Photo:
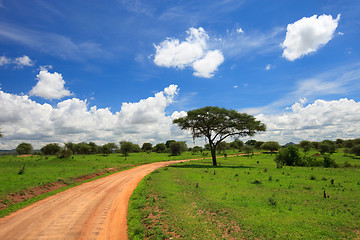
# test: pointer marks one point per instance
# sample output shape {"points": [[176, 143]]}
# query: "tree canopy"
{"points": [[24, 148], [216, 124]]}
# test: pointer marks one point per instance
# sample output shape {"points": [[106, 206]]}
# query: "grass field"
{"points": [[44, 171], [248, 198]]}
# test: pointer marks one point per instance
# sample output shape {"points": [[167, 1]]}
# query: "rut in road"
{"points": [[93, 210]]}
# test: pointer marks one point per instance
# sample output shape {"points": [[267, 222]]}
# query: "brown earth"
{"points": [[93, 210], [26, 194]]}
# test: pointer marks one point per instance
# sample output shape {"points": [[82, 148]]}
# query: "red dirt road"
{"points": [[93, 210]]}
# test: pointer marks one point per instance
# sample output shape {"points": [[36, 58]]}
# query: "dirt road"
{"points": [[93, 210]]}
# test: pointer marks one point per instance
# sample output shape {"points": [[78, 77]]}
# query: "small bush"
{"points": [[256, 182], [329, 162], [272, 201], [22, 170]]}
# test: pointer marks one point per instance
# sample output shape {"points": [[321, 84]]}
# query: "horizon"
{"points": [[124, 70]]}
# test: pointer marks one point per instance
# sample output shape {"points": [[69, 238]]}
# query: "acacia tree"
{"points": [[216, 124], [24, 148]]}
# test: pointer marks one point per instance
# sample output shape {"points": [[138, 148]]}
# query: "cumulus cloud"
{"points": [[193, 52], [50, 85], [4, 60], [315, 122], [23, 119], [307, 35], [206, 66], [23, 61], [19, 62]]}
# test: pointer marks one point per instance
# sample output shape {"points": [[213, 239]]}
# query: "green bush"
{"points": [[289, 156]]}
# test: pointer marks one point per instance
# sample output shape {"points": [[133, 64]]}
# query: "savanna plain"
{"points": [[244, 197], [248, 198]]}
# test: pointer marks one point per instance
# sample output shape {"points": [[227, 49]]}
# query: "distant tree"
{"points": [[271, 146], [237, 144], [222, 147], [126, 148], [258, 144], [94, 149], [249, 150], [71, 146], [316, 145], [24, 148], [177, 148], [207, 147], [197, 149], [216, 124], [289, 156], [109, 148], [329, 162], [327, 146], [339, 143], [136, 148], [147, 147], [1, 134], [160, 148], [348, 143], [65, 153], [251, 143], [168, 142], [83, 148], [51, 149], [305, 145], [355, 150]]}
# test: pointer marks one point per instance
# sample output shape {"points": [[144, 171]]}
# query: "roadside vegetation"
{"points": [[250, 197]]}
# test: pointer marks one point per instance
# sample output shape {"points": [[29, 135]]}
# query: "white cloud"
{"points": [[307, 35], [193, 52], [23, 119], [20, 62], [235, 86], [268, 67], [50, 86], [206, 66], [239, 30], [317, 121], [23, 61], [4, 60]]}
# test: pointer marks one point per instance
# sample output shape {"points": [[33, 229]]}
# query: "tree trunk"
{"points": [[213, 155]]}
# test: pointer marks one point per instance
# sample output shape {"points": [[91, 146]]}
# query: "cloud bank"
{"points": [[193, 52], [307, 35], [24, 120], [317, 121]]}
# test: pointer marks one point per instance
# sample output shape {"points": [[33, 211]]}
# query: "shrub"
{"points": [[272, 201], [355, 150], [329, 162], [176, 148], [288, 156]]}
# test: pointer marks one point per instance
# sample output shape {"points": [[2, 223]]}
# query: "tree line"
{"points": [[171, 146]]}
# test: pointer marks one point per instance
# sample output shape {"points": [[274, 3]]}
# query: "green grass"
{"points": [[246, 199], [41, 170]]}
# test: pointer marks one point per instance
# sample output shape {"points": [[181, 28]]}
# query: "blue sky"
{"points": [[88, 71]]}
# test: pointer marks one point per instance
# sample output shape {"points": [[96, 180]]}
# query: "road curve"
{"points": [[93, 210]]}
